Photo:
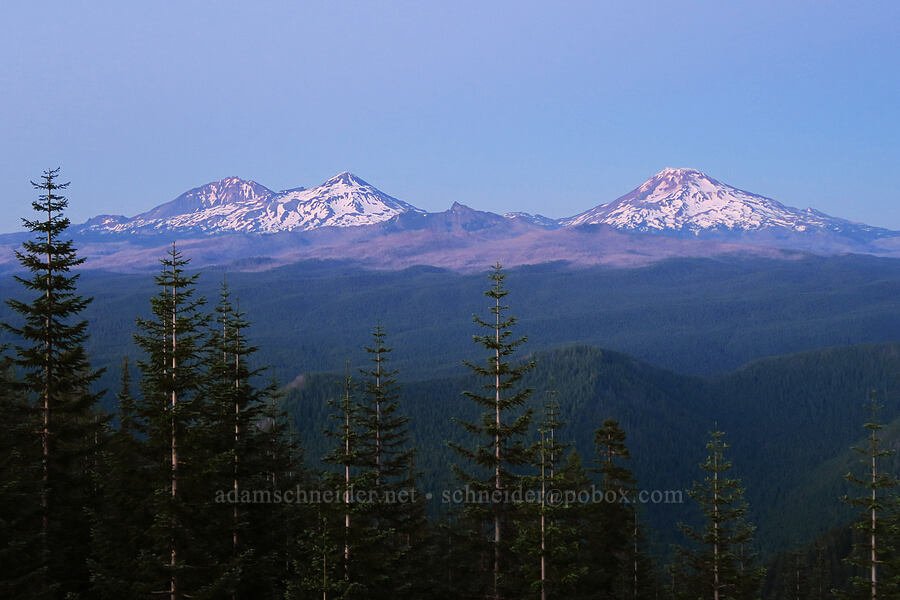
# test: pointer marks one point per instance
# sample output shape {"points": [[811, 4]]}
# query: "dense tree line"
{"points": [[197, 486]]}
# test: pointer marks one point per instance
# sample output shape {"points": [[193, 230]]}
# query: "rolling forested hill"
{"points": [[693, 316], [790, 418], [790, 422]]}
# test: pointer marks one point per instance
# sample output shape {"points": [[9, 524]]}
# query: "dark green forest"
{"points": [[801, 413], [693, 316], [167, 445]]}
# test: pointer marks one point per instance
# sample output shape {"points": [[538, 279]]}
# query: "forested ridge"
{"points": [[801, 413], [694, 316], [569, 473]]}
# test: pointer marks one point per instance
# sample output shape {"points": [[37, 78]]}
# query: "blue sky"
{"points": [[543, 107]]}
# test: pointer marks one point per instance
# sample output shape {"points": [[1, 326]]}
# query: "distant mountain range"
{"points": [[235, 205], [673, 200], [677, 212]]}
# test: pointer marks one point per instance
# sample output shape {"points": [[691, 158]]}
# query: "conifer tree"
{"points": [[274, 532], [57, 380], [569, 576], [612, 530], [558, 538], [314, 573], [239, 453], [386, 460], [118, 524], [20, 476], [247, 451], [500, 448], [172, 374], [722, 563], [876, 500], [351, 516], [383, 438], [549, 451], [547, 537]]}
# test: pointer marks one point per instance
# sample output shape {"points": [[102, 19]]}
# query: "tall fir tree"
{"points": [[499, 436], [118, 524], [345, 520], [617, 563], [548, 543], [315, 563], [172, 375], [387, 460], [277, 530], [568, 550], [721, 564], [57, 381], [245, 449], [875, 529]]}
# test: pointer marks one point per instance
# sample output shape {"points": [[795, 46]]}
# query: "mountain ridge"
{"points": [[243, 225], [675, 201], [238, 205]]}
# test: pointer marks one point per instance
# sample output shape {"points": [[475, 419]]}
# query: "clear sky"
{"points": [[546, 107]]}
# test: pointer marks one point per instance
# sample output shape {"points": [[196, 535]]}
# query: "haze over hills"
{"points": [[244, 225]]}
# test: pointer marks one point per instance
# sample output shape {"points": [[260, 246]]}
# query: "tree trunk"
{"points": [[45, 432], [173, 579], [324, 559], [635, 550], [543, 522], [347, 479], [237, 434], [874, 556], [378, 417], [497, 483], [716, 526]]}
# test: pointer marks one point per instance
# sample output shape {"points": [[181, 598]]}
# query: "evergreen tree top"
{"points": [[52, 340], [880, 479], [49, 203]]}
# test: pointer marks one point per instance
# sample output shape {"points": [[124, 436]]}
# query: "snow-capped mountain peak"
{"points": [[233, 204], [228, 191], [676, 200], [342, 201], [345, 178], [688, 200]]}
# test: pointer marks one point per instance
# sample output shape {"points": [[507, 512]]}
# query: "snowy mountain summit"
{"points": [[345, 200], [687, 200], [234, 204], [677, 202]]}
